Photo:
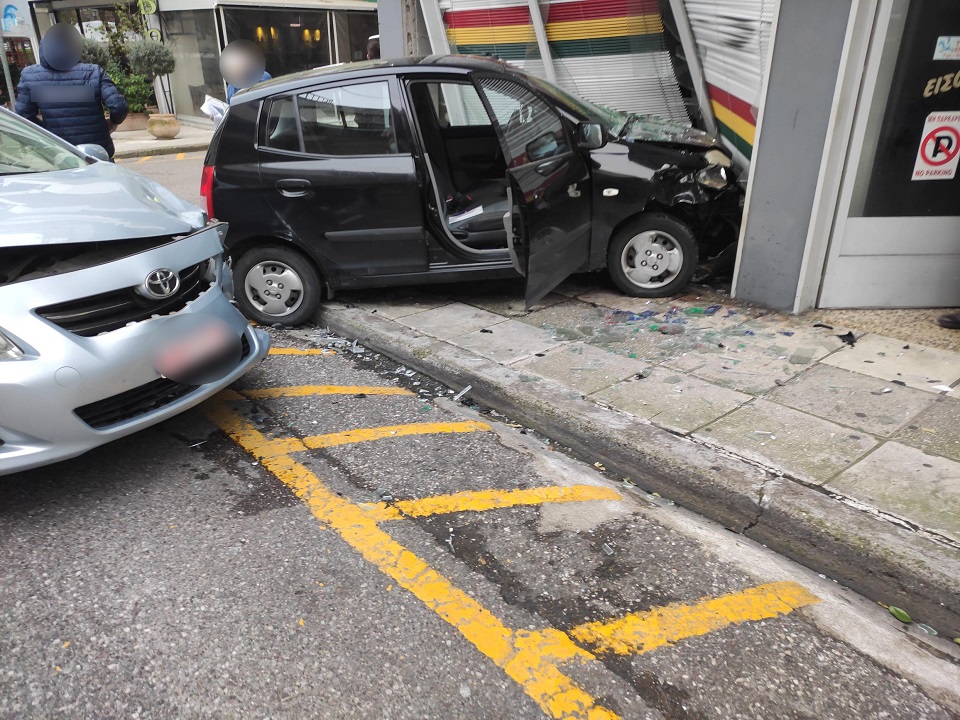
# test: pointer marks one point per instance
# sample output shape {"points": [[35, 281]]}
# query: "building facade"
{"points": [[294, 35]]}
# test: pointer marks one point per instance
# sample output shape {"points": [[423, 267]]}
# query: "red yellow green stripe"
{"points": [[735, 118], [559, 31]]}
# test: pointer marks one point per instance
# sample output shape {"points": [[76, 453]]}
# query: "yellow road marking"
{"points": [[488, 500], [304, 390], [181, 156], [144, 158], [299, 351], [349, 437], [642, 632], [529, 657]]}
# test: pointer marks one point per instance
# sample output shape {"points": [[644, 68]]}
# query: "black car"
{"points": [[444, 169]]}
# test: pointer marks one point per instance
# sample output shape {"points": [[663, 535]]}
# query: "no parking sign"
{"points": [[939, 152]]}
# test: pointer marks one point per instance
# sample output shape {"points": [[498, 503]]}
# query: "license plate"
{"points": [[194, 350]]}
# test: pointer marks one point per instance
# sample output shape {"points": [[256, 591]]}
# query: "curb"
{"points": [[880, 558], [160, 150]]}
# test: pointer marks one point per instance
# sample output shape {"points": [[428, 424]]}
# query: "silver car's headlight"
{"points": [[713, 177], [8, 349]]}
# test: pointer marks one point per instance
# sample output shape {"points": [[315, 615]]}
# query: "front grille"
{"points": [[102, 313], [141, 400], [133, 403]]}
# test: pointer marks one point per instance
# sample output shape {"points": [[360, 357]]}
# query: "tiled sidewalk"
{"points": [[876, 422]]}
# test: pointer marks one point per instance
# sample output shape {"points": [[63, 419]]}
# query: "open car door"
{"points": [[548, 223]]}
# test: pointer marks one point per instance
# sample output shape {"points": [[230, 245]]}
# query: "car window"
{"points": [[457, 105], [530, 129], [348, 120], [24, 149], [282, 131]]}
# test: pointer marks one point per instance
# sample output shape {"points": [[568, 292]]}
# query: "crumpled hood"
{"points": [[650, 128], [96, 203]]}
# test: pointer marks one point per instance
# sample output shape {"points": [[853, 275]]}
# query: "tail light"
{"points": [[206, 189]]}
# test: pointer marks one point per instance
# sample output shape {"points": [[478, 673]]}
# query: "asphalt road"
{"points": [[333, 538]]}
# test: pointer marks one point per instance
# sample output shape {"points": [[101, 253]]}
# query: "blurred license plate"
{"points": [[194, 349]]}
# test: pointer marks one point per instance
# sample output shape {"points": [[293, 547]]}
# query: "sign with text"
{"points": [[939, 152], [948, 48]]}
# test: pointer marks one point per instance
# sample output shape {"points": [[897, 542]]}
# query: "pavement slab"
{"points": [[451, 321], [809, 448], [395, 303], [924, 489], [750, 364], [511, 303], [676, 402], [857, 401], [892, 360], [507, 342], [582, 367], [936, 430]]}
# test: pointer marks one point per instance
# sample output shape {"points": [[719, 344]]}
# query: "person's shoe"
{"points": [[951, 321]]}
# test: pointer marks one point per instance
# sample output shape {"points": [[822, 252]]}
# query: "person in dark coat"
{"points": [[66, 96]]}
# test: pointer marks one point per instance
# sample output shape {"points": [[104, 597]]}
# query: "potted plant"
{"points": [[151, 60]]}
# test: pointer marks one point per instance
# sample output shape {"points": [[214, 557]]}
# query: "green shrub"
{"points": [[150, 58], [137, 89], [94, 52]]}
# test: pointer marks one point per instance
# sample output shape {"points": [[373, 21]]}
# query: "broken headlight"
{"points": [[714, 177], [717, 157], [8, 350]]}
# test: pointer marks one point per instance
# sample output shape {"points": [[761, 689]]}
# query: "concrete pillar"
{"points": [[402, 29], [804, 65]]}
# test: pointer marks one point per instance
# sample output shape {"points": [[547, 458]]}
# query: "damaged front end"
{"points": [[694, 180]]}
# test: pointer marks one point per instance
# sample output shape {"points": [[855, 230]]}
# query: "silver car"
{"points": [[115, 306]]}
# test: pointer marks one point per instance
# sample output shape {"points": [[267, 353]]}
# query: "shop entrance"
{"points": [[896, 237]]}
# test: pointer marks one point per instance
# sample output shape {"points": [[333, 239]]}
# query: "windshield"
{"points": [[613, 120], [25, 149]]}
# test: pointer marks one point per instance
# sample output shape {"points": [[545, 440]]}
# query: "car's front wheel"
{"points": [[653, 256], [276, 285]]}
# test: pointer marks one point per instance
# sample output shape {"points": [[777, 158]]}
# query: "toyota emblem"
{"points": [[161, 283]]}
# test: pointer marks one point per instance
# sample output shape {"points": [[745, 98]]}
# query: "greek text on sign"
{"points": [[939, 152], [948, 48]]}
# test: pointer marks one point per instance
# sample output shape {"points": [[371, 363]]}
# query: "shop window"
{"points": [[192, 36], [348, 120]]}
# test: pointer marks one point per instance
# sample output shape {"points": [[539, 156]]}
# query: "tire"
{"points": [[274, 284], [637, 253]]}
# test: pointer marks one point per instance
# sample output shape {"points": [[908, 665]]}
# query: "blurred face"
{"points": [[61, 46], [242, 63]]}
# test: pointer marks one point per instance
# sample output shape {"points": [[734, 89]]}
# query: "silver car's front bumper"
{"points": [[112, 374]]}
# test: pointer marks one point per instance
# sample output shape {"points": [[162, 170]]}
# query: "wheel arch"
{"points": [[244, 245]]}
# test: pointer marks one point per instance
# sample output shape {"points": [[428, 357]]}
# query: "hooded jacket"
{"points": [[70, 101]]}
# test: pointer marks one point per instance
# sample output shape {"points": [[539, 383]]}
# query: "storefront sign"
{"points": [[920, 133], [939, 152], [948, 48], [15, 19]]}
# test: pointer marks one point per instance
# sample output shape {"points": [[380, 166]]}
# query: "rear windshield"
{"points": [[25, 149]]}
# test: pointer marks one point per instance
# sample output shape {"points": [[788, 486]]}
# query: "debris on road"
{"points": [[459, 396], [607, 549], [850, 339], [900, 614]]}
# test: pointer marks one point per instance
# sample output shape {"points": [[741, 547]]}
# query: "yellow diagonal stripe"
{"points": [[733, 121], [528, 657], [481, 500], [298, 351], [642, 632], [181, 156], [305, 390], [145, 158], [348, 437]]}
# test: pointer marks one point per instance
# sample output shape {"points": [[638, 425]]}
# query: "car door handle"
{"points": [[293, 187], [548, 167]]}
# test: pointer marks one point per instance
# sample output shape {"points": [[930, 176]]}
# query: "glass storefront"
{"points": [[192, 35]]}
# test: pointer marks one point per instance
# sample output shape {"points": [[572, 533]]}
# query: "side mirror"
{"points": [[94, 151], [591, 136]]}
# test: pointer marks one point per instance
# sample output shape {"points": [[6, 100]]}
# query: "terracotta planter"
{"points": [[134, 121], [163, 126]]}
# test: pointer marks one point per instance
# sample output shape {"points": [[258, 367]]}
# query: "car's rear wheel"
{"points": [[653, 256], [276, 285]]}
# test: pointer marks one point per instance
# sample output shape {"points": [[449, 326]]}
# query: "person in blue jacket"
{"points": [[232, 89], [66, 96]]}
